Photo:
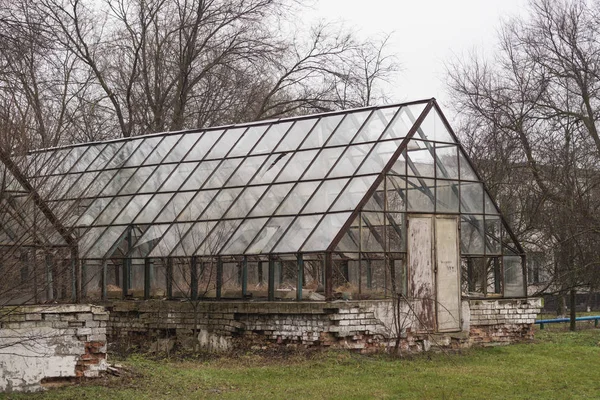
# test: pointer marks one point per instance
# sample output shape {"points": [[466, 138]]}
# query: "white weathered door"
{"points": [[447, 272], [433, 272]]}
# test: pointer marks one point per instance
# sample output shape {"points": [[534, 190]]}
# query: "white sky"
{"points": [[426, 34]]}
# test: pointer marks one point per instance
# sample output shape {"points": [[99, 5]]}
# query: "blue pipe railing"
{"points": [[541, 322]]}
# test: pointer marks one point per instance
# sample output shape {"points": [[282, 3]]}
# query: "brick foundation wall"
{"points": [[46, 343], [502, 321]]}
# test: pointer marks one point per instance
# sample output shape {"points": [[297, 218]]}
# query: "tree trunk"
{"points": [[573, 325]]}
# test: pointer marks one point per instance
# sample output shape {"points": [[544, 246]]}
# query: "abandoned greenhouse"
{"points": [[339, 209]]}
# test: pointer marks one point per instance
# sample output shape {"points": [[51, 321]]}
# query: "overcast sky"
{"points": [[426, 34]]}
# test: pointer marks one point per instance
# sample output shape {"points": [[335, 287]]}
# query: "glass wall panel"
{"points": [[178, 176], [490, 208], [379, 157], [396, 193], [132, 209], [321, 132], [349, 243], [174, 207], [183, 146], [297, 234], [377, 200], [121, 157], [299, 162], [271, 138], [112, 210], [513, 277], [403, 121], [372, 232], [87, 158], [446, 196], [269, 235], [323, 163], [350, 160], [161, 173], [472, 234], [197, 206], [399, 166], [221, 203], [102, 246], [348, 128], [446, 161], [248, 140], [245, 202], [420, 162], [271, 168], [296, 134], [203, 146], [471, 197], [396, 231], [117, 182], [297, 198], [154, 206], [222, 173], [353, 193], [246, 171], [420, 194], [271, 200], [375, 125], [433, 128], [325, 196], [243, 236], [170, 239], [466, 172], [493, 228], [143, 151], [193, 239], [199, 176], [225, 143], [327, 230], [162, 149], [137, 180]]}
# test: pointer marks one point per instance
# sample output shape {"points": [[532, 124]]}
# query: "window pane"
{"points": [[160, 175], [446, 162], [193, 239], [471, 234], [197, 205], [179, 151], [396, 194], [298, 233], [513, 277], [248, 140], [372, 235], [222, 173], [243, 236], [143, 151], [153, 207], [272, 199], [493, 235], [353, 194], [466, 172], [434, 129], [321, 132], [323, 163], [348, 128], [162, 149], [137, 180], [271, 168], [245, 202], [396, 231], [179, 175], [420, 162], [325, 196], [379, 157], [269, 235], [197, 179], [403, 121], [296, 134], [375, 125], [327, 230], [294, 169], [350, 160], [272, 137], [203, 145], [226, 142], [218, 237], [471, 196], [174, 207], [446, 196], [221, 203], [297, 198], [420, 194]]}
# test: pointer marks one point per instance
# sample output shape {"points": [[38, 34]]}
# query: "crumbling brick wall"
{"points": [[46, 343]]}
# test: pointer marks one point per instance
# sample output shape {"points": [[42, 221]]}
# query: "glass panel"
{"points": [[162, 149], [222, 173], [174, 207], [348, 128], [193, 239], [271, 138], [137, 180], [198, 204], [245, 202], [471, 197], [377, 200], [269, 235], [396, 231], [379, 157], [298, 233], [294, 169], [119, 180], [296, 134], [92, 211], [420, 194], [179, 175], [432, 128], [446, 196], [221, 203], [493, 235], [248, 140], [350, 160], [180, 150], [199, 176], [396, 194], [205, 143], [471, 234], [323, 163], [354, 193], [160, 175], [80, 189], [420, 162], [143, 151], [349, 241], [327, 230], [119, 160], [272, 199], [372, 234], [153, 208], [218, 237], [513, 277], [403, 121], [243, 236], [375, 126], [297, 198], [132, 209], [170, 239], [399, 166], [110, 212], [104, 157], [68, 162], [325, 196], [105, 242], [246, 171], [152, 235], [466, 172], [490, 208], [319, 135], [271, 168], [227, 141], [87, 158], [446, 161]]}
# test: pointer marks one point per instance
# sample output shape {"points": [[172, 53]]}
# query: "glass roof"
{"points": [[283, 186]]}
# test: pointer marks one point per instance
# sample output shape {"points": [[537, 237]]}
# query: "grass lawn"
{"points": [[561, 365]]}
